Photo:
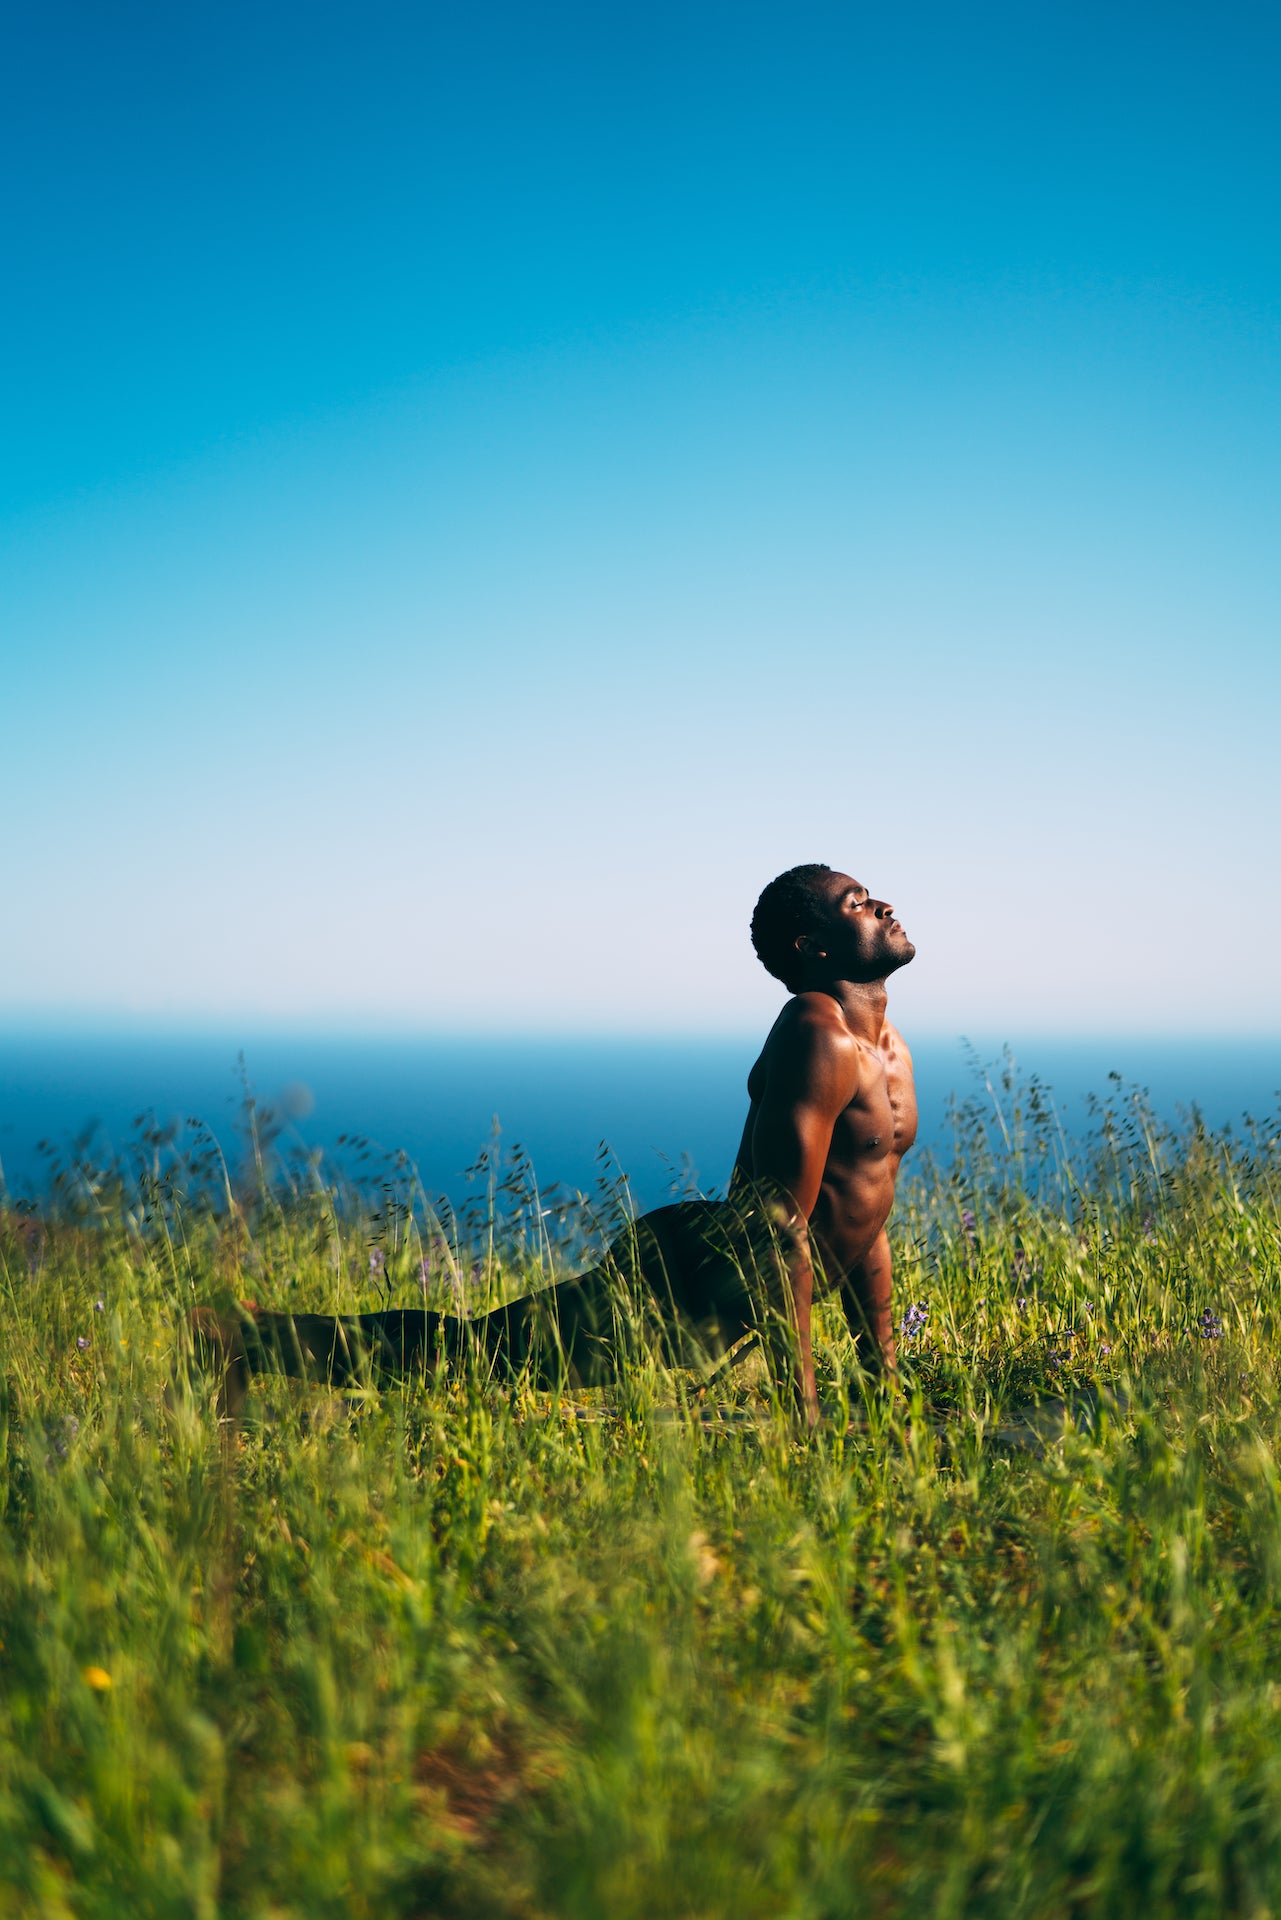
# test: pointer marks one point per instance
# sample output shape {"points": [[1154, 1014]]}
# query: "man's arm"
{"points": [[813, 1075], [865, 1296]]}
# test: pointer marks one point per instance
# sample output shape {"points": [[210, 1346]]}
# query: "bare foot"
{"points": [[219, 1341]]}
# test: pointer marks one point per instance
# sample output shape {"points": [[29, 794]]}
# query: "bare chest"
{"points": [[881, 1119]]}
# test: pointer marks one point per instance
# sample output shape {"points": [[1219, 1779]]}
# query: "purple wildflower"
{"points": [[969, 1226], [1210, 1326], [81, 1342], [100, 1305], [913, 1321], [377, 1261]]}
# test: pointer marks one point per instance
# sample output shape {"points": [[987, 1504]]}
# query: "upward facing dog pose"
{"points": [[832, 1112]]}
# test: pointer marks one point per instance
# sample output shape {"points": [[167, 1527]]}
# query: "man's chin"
{"points": [[901, 956]]}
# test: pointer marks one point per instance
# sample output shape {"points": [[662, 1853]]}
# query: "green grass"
{"points": [[457, 1649]]}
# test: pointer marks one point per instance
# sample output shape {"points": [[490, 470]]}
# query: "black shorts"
{"points": [[695, 1276]]}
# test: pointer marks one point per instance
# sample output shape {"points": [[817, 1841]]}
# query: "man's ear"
{"points": [[809, 946]]}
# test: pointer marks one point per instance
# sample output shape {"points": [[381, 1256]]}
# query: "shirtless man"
{"points": [[833, 1103], [832, 1111]]}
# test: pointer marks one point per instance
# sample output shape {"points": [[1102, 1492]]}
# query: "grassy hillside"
{"points": [[462, 1649]]}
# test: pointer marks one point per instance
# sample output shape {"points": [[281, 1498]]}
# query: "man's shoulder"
{"points": [[811, 1034], [814, 1017]]}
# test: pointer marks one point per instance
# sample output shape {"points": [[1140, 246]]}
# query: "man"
{"points": [[832, 1112]]}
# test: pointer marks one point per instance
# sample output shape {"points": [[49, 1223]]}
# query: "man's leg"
{"points": [[561, 1333], [347, 1350], [684, 1272]]}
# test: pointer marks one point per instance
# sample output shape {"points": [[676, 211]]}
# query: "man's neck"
{"points": [[863, 1004]]}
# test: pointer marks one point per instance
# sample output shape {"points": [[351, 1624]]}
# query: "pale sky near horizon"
{"points": [[485, 488]]}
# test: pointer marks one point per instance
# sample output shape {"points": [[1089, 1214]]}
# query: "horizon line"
{"points": [[45, 1026]]}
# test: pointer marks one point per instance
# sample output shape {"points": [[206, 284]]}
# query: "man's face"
{"points": [[862, 939]]}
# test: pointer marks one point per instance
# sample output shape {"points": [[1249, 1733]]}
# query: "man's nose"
{"points": [[882, 909]]}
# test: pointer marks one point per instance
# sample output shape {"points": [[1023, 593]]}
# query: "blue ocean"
{"points": [[664, 1109]]}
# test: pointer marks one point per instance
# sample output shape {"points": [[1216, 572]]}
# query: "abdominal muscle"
{"points": [[852, 1209], [868, 1144]]}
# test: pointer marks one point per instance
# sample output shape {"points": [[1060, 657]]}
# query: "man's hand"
{"points": [[865, 1296], [787, 1314]]}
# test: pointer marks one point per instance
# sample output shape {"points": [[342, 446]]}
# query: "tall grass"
{"points": [[458, 1647]]}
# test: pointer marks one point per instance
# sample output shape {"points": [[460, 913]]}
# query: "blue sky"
{"points": [[483, 489]]}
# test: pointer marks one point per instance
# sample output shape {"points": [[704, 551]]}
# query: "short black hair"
{"points": [[794, 903]]}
